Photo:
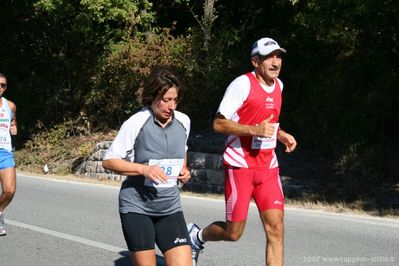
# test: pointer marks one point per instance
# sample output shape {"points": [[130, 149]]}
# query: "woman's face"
{"points": [[164, 106]]}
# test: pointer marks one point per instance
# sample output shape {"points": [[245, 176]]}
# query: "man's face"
{"points": [[268, 67], [3, 85]]}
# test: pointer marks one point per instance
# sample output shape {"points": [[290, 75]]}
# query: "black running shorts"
{"points": [[142, 232]]}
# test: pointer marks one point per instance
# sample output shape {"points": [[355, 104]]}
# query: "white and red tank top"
{"points": [[240, 151]]}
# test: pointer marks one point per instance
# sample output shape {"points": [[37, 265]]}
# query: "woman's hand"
{"points": [[155, 173], [184, 176]]}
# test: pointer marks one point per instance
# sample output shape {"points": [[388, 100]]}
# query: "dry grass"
{"points": [[356, 208]]}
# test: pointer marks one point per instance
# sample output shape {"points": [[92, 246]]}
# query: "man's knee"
{"points": [[233, 236], [8, 194], [275, 229], [234, 230], [234, 233]]}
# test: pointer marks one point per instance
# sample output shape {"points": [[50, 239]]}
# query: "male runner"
{"points": [[248, 115], [8, 127]]}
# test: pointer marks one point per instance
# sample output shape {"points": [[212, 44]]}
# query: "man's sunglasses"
{"points": [[3, 85]]}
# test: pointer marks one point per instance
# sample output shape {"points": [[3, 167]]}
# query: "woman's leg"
{"points": [[173, 240], [139, 233]]}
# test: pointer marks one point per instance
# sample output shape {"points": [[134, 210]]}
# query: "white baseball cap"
{"points": [[265, 46]]}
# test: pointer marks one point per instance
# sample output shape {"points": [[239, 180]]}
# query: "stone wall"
{"points": [[92, 166], [206, 169]]}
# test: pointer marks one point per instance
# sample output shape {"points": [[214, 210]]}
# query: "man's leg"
{"points": [[8, 186], [238, 193], [269, 198], [273, 223], [216, 231], [227, 231]]}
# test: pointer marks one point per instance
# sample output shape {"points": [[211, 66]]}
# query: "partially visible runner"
{"points": [[150, 149], [8, 127], [248, 114]]}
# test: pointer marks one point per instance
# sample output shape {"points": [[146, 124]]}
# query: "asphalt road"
{"points": [[68, 223]]}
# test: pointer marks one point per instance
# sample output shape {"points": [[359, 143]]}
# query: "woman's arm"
{"points": [[122, 167]]}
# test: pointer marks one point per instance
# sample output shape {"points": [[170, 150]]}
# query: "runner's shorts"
{"points": [[243, 184], [6, 159], [142, 232]]}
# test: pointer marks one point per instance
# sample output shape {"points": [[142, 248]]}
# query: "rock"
{"points": [[206, 168]]}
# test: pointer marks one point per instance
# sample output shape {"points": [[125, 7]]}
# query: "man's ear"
{"points": [[254, 61]]}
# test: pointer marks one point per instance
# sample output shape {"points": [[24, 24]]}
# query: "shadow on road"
{"points": [[125, 260]]}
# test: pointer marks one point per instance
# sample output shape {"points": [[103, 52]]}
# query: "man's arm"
{"points": [[229, 127], [287, 139], [13, 108]]}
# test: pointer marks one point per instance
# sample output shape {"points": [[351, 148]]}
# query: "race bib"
{"points": [[260, 143], [5, 142], [171, 168], [5, 137]]}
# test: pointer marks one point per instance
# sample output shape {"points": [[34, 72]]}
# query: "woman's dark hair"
{"points": [[157, 84]]}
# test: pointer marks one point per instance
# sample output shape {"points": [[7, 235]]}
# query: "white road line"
{"points": [[66, 236]]}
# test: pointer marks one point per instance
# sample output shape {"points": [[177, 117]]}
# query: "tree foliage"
{"points": [[82, 60], [54, 47]]}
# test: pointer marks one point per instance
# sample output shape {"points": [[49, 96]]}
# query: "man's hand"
{"points": [[13, 128], [265, 129], [288, 140]]}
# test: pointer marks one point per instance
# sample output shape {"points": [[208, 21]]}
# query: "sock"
{"points": [[199, 237]]}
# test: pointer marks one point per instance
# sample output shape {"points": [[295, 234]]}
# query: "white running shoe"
{"points": [[196, 247], [3, 230]]}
